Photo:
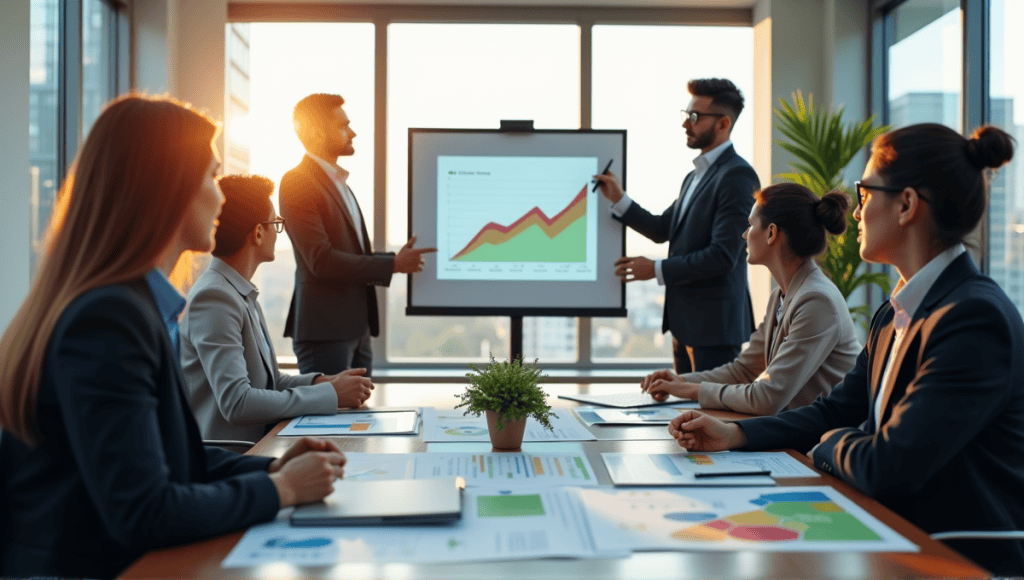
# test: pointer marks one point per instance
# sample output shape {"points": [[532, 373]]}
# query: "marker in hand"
{"points": [[606, 168]]}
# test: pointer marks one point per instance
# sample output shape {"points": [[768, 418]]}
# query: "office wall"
{"points": [[14, 163], [153, 47], [818, 47], [179, 49]]}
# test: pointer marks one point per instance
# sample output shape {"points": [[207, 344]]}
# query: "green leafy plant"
{"points": [[509, 389], [823, 146]]}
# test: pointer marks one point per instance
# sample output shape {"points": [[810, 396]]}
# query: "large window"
{"points": [[1006, 110], [926, 63], [286, 63], [78, 61], [956, 62], [98, 60], [43, 113], [512, 72], [644, 96], [559, 67]]}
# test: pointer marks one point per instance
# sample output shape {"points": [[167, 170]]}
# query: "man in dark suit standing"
{"points": [[333, 312], [707, 299]]}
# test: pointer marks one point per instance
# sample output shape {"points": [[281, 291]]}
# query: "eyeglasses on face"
{"points": [[694, 116], [887, 188], [278, 224]]}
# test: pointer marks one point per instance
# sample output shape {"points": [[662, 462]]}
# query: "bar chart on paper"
{"points": [[516, 218]]}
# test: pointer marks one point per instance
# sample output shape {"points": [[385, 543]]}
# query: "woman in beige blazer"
{"points": [[806, 343], [234, 385]]}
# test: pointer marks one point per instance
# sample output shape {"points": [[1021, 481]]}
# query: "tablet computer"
{"points": [[391, 502]]}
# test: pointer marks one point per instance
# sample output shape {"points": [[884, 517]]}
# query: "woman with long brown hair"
{"points": [[101, 459]]}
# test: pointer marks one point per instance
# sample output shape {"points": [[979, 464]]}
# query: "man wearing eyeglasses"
{"points": [[707, 299], [234, 386]]}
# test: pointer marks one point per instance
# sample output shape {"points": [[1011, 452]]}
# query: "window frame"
{"points": [[975, 107], [381, 16], [69, 72]]}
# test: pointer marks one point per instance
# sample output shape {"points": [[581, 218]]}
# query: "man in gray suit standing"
{"points": [[235, 388], [707, 299], [333, 312]]}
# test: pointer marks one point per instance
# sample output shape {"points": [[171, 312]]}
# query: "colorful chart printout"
{"points": [[507, 525], [798, 519]]}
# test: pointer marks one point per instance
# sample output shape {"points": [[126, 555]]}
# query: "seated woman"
{"points": [[806, 342], [234, 385], [101, 459], [930, 422]]}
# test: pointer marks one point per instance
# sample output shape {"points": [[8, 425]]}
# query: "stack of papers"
{"points": [[477, 469], [704, 469], [631, 399], [639, 416], [376, 422], [791, 519], [589, 523], [448, 426]]}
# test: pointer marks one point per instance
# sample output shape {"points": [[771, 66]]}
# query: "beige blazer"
{"points": [[233, 382], [790, 363]]}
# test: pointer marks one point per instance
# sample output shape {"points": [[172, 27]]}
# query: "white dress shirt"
{"points": [[701, 164], [905, 300]]}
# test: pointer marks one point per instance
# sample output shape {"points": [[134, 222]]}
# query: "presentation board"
{"points": [[518, 227]]}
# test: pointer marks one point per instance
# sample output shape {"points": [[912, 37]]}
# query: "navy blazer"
{"points": [[334, 297], [120, 468], [950, 452], [707, 299]]}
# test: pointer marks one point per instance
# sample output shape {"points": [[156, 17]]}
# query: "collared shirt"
{"points": [[169, 302], [249, 292], [701, 165], [339, 176], [905, 301]]}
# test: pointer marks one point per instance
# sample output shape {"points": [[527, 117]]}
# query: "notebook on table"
{"points": [[392, 502], [633, 399]]}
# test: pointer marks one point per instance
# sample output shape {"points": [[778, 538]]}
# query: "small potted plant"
{"points": [[508, 393]]}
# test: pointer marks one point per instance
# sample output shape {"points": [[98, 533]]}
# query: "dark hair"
{"points": [[723, 94], [312, 113], [794, 209], [947, 168], [246, 205]]}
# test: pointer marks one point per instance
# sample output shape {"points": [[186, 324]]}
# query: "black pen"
{"points": [[606, 168], [700, 474]]}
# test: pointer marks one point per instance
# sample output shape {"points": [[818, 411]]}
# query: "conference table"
{"points": [[203, 559]]}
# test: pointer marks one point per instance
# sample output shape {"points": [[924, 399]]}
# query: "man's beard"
{"points": [[703, 140]]}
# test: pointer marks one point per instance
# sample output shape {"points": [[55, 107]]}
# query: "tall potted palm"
{"points": [[823, 146]]}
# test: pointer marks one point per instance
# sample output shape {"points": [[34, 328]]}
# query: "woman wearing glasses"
{"points": [[806, 343], [930, 421], [100, 458], [234, 385]]}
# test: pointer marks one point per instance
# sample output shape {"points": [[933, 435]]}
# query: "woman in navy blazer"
{"points": [[101, 459], [930, 421]]}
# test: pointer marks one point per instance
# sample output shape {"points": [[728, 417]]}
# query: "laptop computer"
{"points": [[391, 502]]}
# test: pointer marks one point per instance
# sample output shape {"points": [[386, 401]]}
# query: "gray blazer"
{"points": [[788, 364], [234, 385]]}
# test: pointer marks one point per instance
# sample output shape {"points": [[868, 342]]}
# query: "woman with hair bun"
{"points": [[806, 342], [930, 422]]}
